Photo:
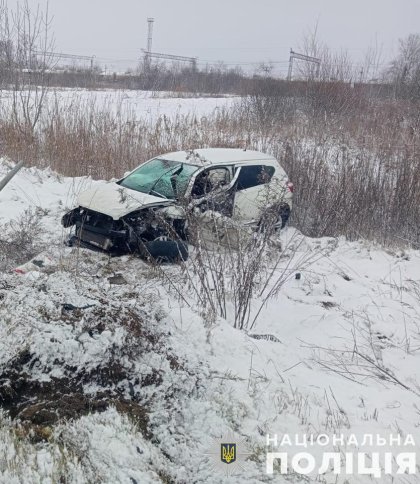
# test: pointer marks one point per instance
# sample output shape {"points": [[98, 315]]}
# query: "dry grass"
{"points": [[354, 161]]}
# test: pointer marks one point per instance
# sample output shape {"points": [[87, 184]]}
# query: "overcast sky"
{"points": [[234, 31]]}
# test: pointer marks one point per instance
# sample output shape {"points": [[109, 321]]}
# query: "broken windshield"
{"points": [[163, 178]]}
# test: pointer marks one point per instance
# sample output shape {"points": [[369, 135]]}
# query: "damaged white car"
{"points": [[148, 211]]}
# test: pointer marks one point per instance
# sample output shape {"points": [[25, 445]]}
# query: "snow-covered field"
{"points": [[146, 384], [131, 104]]}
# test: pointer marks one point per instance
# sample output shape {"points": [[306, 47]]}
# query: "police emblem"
{"points": [[228, 453]]}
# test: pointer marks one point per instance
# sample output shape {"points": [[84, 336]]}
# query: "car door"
{"points": [[212, 201], [250, 191], [213, 190]]}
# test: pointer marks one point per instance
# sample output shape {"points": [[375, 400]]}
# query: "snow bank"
{"points": [[149, 384]]}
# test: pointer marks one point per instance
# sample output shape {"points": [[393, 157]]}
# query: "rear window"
{"points": [[252, 176]]}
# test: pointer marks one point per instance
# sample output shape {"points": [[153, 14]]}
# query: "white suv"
{"points": [[147, 210]]}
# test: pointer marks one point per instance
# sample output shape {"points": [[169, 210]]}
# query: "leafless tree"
{"points": [[334, 66], [26, 55], [404, 70], [372, 60], [265, 68]]}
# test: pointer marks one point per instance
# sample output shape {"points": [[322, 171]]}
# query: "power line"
{"points": [[60, 55]]}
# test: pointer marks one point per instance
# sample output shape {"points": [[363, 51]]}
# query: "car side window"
{"points": [[252, 176], [210, 180]]}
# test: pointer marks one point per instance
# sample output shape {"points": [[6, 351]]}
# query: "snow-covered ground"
{"points": [[337, 351], [131, 104]]}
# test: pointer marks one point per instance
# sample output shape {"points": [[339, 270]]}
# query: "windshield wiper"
{"points": [[154, 192]]}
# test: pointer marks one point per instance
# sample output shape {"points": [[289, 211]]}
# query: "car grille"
{"points": [[96, 219], [96, 239]]}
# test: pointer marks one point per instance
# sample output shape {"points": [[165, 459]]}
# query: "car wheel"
{"points": [[284, 215], [275, 218], [165, 250]]}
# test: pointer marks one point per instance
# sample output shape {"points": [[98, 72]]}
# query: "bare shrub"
{"points": [[353, 161], [355, 193], [227, 265], [21, 239], [234, 270], [360, 358], [337, 97], [268, 104]]}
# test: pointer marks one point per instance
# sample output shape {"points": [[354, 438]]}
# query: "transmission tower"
{"points": [[60, 55], [148, 54], [306, 58], [181, 58]]}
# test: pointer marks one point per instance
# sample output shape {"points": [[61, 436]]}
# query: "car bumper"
{"points": [[95, 230], [101, 238]]}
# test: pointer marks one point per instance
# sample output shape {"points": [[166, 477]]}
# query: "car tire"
{"points": [[165, 250], [276, 218], [284, 214]]}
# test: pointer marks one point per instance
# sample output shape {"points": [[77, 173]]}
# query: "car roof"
{"points": [[216, 156]]}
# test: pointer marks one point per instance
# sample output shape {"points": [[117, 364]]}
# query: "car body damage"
{"points": [[149, 210]]}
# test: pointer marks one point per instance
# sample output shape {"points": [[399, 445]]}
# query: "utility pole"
{"points": [[148, 54], [306, 58], [10, 175], [289, 72], [150, 21]]}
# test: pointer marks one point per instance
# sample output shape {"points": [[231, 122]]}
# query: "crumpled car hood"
{"points": [[116, 201]]}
